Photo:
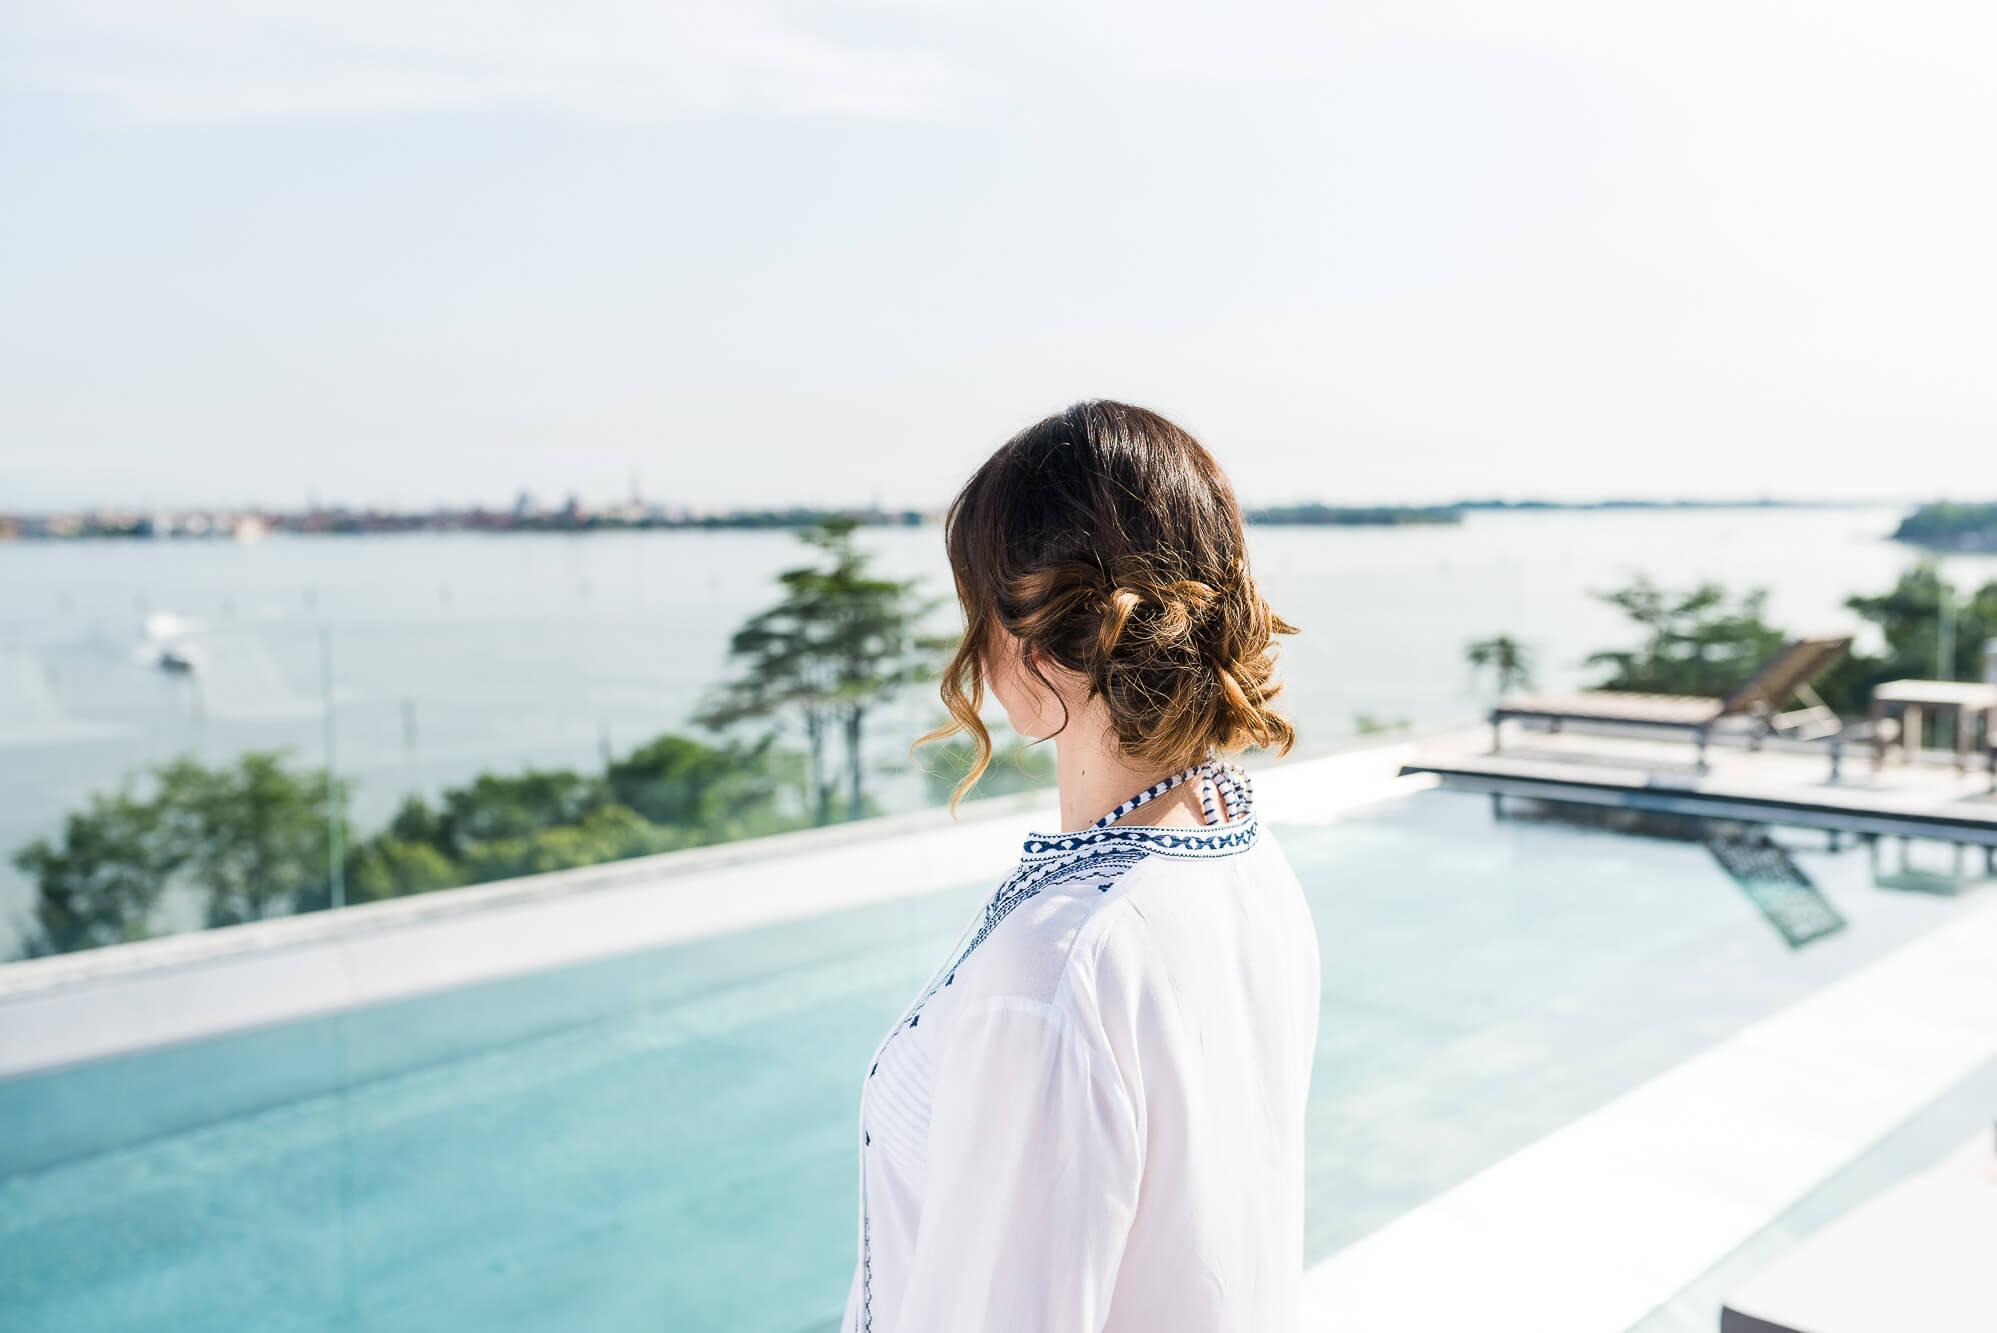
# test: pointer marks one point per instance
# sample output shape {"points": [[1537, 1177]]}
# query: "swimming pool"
{"points": [[665, 1139]]}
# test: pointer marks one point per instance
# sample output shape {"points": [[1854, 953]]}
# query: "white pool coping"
{"points": [[1594, 1226], [75, 1008]]}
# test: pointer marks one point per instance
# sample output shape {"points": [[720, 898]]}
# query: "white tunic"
{"points": [[1092, 1118]]}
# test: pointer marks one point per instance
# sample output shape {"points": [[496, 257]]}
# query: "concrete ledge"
{"points": [[362, 918]]}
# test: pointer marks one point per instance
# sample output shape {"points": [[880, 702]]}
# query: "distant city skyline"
{"points": [[1398, 252], [573, 510], [554, 498]]}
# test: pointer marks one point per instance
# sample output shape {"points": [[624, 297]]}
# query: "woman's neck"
{"points": [[1095, 778]]}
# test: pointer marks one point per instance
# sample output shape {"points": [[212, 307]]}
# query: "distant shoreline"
{"points": [[250, 524]]}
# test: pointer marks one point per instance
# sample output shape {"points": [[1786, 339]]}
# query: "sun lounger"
{"points": [[1760, 703]]}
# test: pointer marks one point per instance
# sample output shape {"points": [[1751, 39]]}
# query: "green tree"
{"points": [[839, 643], [1910, 620], [101, 883], [1508, 660], [253, 836], [392, 867], [1700, 641], [1909, 617], [717, 791], [495, 806], [786, 675], [608, 833], [417, 821], [672, 792]]}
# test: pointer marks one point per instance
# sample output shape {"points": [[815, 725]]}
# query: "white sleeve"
{"points": [[1033, 1163]]}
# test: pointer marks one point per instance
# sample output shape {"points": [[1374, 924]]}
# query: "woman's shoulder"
{"points": [[1044, 923], [1066, 914], [1170, 922]]}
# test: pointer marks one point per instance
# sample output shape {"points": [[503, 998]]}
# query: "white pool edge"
{"points": [[78, 1008], [1593, 1227]]}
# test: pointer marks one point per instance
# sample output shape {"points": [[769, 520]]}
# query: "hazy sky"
{"points": [[766, 253]]}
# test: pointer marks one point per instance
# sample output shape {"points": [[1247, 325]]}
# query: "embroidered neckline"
{"points": [[1234, 836], [1213, 839]]}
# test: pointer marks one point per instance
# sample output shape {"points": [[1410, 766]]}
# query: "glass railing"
{"points": [[491, 705]]}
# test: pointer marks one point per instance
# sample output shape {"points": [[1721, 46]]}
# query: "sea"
{"points": [[412, 662]]}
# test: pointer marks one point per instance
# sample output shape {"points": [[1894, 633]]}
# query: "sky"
{"points": [[758, 252]]}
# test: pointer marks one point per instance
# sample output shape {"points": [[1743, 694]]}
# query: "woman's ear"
{"points": [[1045, 675], [1041, 668]]}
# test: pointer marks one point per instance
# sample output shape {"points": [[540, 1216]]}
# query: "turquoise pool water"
{"points": [[665, 1140]]}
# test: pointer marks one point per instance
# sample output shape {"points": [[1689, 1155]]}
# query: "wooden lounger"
{"points": [[1760, 702]]}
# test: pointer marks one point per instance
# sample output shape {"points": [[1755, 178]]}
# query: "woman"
{"points": [[1092, 1116]]}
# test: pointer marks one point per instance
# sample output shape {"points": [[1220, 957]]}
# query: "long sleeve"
{"points": [[1033, 1162]]}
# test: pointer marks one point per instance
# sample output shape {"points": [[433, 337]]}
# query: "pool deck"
{"points": [[1780, 783], [1606, 1220], [1603, 1223]]}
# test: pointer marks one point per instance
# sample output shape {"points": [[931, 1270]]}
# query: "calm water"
{"points": [[460, 653], [666, 1140]]}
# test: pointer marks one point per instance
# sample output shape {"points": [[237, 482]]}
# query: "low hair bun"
{"points": [[1107, 540]]}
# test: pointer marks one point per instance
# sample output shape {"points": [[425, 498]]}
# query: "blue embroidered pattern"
{"points": [[866, 1258], [1168, 839], [1154, 791]]}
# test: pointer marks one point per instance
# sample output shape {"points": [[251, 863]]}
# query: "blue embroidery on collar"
{"points": [[1192, 843]]}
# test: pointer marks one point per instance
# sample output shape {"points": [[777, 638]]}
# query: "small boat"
{"points": [[165, 647]]}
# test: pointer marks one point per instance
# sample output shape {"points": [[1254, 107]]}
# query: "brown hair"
{"points": [[1109, 539]]}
